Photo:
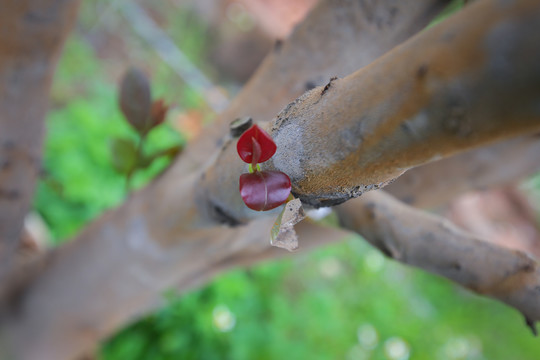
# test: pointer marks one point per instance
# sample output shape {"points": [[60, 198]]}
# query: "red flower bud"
{"points": [[264, 190]]}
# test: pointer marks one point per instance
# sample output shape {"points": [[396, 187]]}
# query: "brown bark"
{"points": [[118, 267], [416, 104], [504, 215], [31, 35], [437, 183], [166, 234], [337, 38], [311, 236], [419, 239], [433, 244]]}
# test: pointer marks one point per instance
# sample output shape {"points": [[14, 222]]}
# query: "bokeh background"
{"points": [[343, 301]]}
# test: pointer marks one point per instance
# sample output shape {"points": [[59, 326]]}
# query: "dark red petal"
{"points": [[264, 190], [245, 144]]}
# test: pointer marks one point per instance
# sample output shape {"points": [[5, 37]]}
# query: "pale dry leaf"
{"points": [[283, 234]]}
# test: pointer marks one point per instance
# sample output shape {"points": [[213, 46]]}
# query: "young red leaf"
{"points": [[245, 145], [135, 99], [158, 112], [264, 190]]}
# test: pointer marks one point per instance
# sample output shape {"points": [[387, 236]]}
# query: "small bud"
{"points": [[135, 100]]}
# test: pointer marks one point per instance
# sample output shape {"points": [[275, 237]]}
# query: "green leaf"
{"points": [[124, 154]]}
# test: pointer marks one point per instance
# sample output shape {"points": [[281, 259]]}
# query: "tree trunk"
{"points": [[453, 87], [31, 35]]}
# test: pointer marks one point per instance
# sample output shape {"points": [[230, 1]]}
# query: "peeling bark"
{"points": [[429, 242], [31, 35]]}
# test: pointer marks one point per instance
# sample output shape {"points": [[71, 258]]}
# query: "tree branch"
{"points": [[31, 35], [311, 236], [336, 38], [418, 103], [154, 241], [409, 107], [437, 183], [158, 238], [146, 246], [435, 245]]}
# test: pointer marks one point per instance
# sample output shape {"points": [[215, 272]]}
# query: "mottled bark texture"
{"points": [[416, 104], [158, 238], [31, 35], [431, 243], [337, 38], [366, 129], [439, 182]]}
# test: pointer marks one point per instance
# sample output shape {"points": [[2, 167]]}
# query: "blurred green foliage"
{"points": [[79, 180], [341, 302]]}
